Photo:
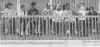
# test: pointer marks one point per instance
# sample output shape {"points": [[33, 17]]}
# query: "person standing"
{"points": [[33, 10]]}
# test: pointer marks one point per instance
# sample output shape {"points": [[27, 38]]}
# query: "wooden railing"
{"points": [[40, 26]]}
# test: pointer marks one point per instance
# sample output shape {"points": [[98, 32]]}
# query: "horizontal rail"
{"points": [[54, 16]]}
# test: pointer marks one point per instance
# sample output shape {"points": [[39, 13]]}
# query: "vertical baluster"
{"points": [[69, 30], [36, 26], [42, 27], [39, 27], [82, 34], [45, 26], [75, 27], [52, 30], [27, 27], [16, 25], [79, 27], [28, 32], [4, 27], [45, 18], [85, 28], [62, 33], [56, 30], [97, 26], [11, 25], [64, 27], [6, 30], [72, 30], [89, 24], [49, 27], [77, 31], [32, 28], [96, 29], [92, 26], [20, 26], [59, 28]]}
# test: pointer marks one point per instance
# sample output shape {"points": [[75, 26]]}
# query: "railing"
{"points": [[48, 26]]}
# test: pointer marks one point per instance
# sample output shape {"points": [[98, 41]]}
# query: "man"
{"points": [[9, 11], [48, 10], [94, 20], [92, 11], [33, 10]]}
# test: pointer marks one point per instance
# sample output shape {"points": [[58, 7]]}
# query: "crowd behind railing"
{"points": [[59, 21], [57, 9]]}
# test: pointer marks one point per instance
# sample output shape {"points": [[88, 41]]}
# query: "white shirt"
{"points": [[83, 13], [58, 16], [9, 12]]}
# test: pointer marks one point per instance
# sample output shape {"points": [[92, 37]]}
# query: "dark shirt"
{"points": [[33, 11], [93, 13]]}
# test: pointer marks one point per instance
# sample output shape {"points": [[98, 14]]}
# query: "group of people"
{"points": [[57, 10]]}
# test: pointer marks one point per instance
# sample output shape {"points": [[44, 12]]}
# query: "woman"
{"points": [[81, 20]]}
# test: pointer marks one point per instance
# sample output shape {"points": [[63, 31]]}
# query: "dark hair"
{"points": [[66, 5], [22, 6], [33, 3], [92, 8], [8, 4]]}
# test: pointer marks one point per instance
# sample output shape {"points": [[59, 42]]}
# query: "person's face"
{"points": [[67, 7], [10, 6], [82, 8]]}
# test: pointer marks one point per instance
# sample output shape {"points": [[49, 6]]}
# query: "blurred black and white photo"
{"points": [[49, 19]]}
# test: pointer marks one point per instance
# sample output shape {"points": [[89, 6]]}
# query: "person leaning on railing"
{"points": [[92, 12], [80, 21], [9, 11]]}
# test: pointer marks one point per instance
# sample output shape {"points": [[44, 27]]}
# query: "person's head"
{"points": [[8, 5], [91, 9], [81, 6], [48, 6], [22, 7], [33, 4], [66, 6]]}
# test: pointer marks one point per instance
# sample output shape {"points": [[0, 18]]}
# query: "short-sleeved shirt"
{"points": [[33, 11], [9, 12]]}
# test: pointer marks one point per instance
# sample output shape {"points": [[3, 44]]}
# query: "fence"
{"points": [[50, 26]]}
